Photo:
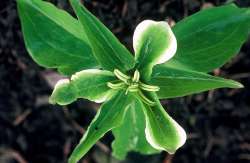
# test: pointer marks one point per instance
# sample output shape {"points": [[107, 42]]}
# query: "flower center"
{"points": [[133, 84]]}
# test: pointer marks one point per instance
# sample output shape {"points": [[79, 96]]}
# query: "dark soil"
{"points": [[31, 130]]}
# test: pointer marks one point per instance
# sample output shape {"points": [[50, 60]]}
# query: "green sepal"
{"points": [[109, 116], [89, 84], [108, 50], [175, 82], [53, 38]]}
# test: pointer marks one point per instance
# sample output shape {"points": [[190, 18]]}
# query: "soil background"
{"points": [[33, 131]]}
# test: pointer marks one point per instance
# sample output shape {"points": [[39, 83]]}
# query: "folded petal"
{"points": [[130, 136], [162, 132], [109, 116], [89, 84], [154, 43]]}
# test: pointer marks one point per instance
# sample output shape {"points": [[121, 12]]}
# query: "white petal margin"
{"points": [[162, 132], [102, 96], [63, 93], [90, 84], [151, 32], [180, 132]]}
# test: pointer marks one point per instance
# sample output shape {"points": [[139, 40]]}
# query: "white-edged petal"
{"points": [[154, 40], [90, 84], [162, 131], [180, 132]]}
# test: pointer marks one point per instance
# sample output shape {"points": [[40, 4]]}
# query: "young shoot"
{"points": [[167, 62]]}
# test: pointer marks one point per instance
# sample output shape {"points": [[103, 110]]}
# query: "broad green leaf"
{"points": [[109, 52], [89, 84], [154, 43], [209, 38], [162, 132], [177, 82], [130, 136], [110, 115], [53, 38]]}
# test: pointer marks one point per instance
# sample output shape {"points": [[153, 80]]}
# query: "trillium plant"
{"points": [[167, 63]]}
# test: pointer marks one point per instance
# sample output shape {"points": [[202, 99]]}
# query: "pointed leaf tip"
{"points": [[237, 84], [170, 80], [107, 49]]}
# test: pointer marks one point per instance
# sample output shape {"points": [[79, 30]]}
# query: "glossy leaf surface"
{"points": [[110, 115], [206, 40], [154, 43], [109, 52], [177, 82], [209, 38], [130, 136], [53, 38], [89, 84]]}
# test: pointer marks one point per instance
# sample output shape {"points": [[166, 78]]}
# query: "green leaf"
{"points": [[209, 38], [109, 52], [176, 82], [110, 115], [89, 84], [162, 132], [53, 38], [130, 136], [154, 43]]}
